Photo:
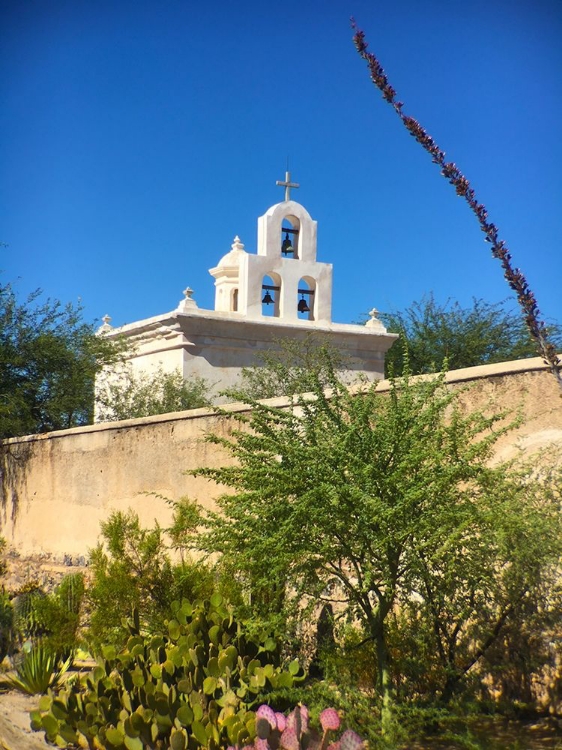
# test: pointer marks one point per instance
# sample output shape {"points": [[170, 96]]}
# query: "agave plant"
{"points": [[40, 669]]}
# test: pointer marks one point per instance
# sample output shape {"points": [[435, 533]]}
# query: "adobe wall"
{"points": [[58, 487]]}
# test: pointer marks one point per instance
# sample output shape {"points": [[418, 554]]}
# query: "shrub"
{"points": [[53, 618], [59, 614], [123, 395], [132, 570]]}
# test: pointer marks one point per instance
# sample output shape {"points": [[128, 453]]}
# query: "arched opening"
{"points": [[271, 296], [290, 237], [306, 298], [234, 301]]}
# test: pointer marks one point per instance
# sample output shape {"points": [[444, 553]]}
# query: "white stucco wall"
{"points": [[217, 345]]}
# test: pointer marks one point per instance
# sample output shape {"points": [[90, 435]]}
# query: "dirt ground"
{"points": [[15, 732]]}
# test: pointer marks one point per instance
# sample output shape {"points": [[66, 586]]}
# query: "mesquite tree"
{"points": [[449, 170], [49, 357], [479, 334], [380, 498]]}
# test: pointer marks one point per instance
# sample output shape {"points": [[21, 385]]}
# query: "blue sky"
{"points": [[138, 137]]}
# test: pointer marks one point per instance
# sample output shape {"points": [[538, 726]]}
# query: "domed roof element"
{"points": [[233, 258]]}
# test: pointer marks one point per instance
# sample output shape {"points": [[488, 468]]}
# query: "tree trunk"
{"points": [[384, 678], [451, 684]]}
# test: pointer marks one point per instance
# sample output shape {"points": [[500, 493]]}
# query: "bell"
{"points": [[286, 246], [267, 298], [302, 307]]}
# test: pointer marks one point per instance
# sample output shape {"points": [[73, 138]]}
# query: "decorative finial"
{"points": [[237, 244], [374, 321], [287, 185], [105, 327], [187, 304]]}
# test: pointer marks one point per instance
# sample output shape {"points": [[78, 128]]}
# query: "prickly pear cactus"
{"points": [[191, 687], [275, 731]]}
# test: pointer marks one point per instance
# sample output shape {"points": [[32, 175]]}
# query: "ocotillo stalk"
{"points": [[452, 173]]}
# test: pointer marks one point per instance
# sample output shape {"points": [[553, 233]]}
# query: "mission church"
{"points": [[282, 292]]}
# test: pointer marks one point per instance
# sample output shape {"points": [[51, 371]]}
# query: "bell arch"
{"points": [[271, 295], [297, 222], [290, 237]]}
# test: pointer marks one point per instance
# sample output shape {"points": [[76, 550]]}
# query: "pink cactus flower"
{"points": [[329, 719]]}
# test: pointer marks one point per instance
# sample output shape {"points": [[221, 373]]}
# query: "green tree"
{"points": [[132, 569], [480, 334], [460, 608], [49, 358], [124, 395], [376, 499]]}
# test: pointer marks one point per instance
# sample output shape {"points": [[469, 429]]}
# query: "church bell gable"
{"points": [[282, 282]]}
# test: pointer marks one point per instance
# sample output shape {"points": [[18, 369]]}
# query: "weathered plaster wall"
{"points": [[56, 488], [59, 486]]}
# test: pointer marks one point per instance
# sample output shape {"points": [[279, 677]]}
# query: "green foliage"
{"points": [[54, 618], [123, 395], [27, 622], [132, 570], [40, 669], [382, 501], [296, 367], [435, 335], [6, 624], [48, 361], [59, 615], [6, 609], [527, 653], [193, 685]]}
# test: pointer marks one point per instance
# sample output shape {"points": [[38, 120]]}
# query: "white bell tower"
{"points": [[279, 293], [284, 280]]}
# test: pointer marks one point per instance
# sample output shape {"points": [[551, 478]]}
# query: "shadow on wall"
{"points": [[14, 459]]}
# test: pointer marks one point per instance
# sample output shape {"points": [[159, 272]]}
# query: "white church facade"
{"points": [[281, 292]]}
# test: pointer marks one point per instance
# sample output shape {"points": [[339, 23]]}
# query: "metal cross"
{"points": [[287, 185]]}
